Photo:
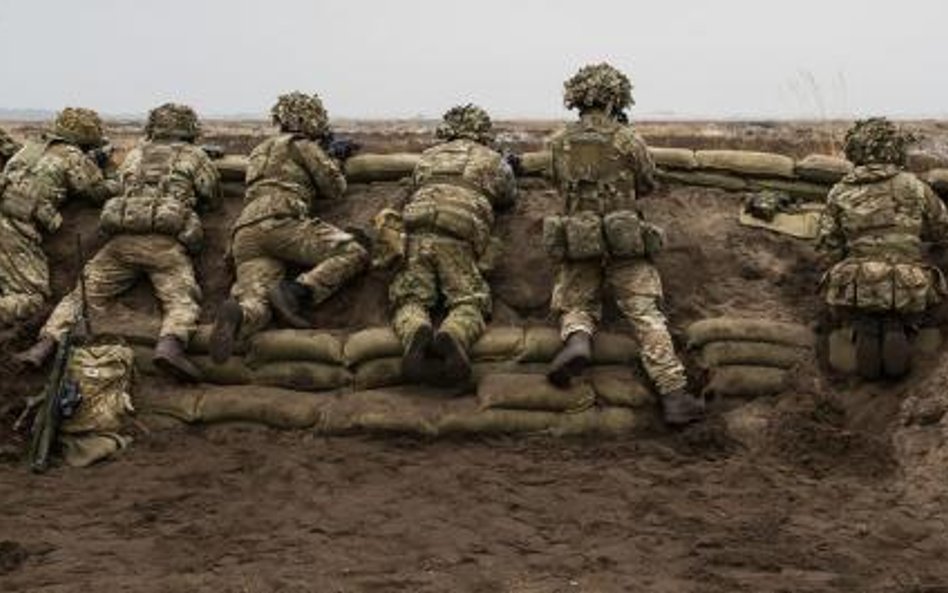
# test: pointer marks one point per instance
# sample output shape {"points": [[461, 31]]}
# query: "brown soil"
{"points": [[839, 489]]}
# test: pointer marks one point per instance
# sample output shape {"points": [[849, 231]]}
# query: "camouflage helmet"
{"points": [[598, 86], [466, 121], [173, 121], [79, 126], [301, 113], [876, 140]]}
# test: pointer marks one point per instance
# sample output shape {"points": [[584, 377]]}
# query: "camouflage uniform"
{"points": [[153, 226], [285, 176], [448, 222], [874, 224], [35, 183], [600, 167], [8, 147]]}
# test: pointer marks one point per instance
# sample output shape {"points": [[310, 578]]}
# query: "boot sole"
{"points": [[225, 331], [415, 361], [563, 376], [284, 311], [457, 367]]}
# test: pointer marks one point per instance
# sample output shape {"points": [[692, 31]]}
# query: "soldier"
{"points": [[874, 224], [600, 167], [287, 174], [33, 186], [8, 148], [448, 221], [153, 227]]}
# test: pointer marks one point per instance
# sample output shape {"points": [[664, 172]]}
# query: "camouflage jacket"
{"points": [[179, 170], [8, 147], [285, 176], [43, 174], [879, 211], [875, 222], [600, 165], [457, 185]]}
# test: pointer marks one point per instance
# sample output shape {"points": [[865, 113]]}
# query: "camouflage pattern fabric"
{"points": [[577, 298], [876, 141], [79, 126], [8, 147], [598, 86], [262, 250], [172, 169], [300, 113], [172, 121], [436, 265], [118, 266], [468, 122], [24, 271], [285, 176], [601, 166], [874, 224]]}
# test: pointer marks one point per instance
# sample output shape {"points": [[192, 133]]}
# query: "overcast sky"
{"points": [[687, 58]]}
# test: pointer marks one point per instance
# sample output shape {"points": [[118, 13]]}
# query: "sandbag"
{"points": [[103, 372], [746, 381], [620, 386], [279, 409], [365, 168], [599, 422], [705, 179], [232, 167], [614, 348], [742, 162], [741, 329], [380, 411], [294, 345], [537, 163], [370, 344], [232, 372], [302, 376], [181, 404], [938, 179], [381, 372], [498, 343], [201, 341], [532, 392], [674, 158], [765, 354], [496, 421], [540, 344], [822, 168]]}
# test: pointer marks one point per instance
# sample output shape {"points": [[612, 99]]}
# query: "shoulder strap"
{"points": [[297, 157]]}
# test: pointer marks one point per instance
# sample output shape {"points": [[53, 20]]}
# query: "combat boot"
{"points": [[456, 366], [287, 299], [226, 325], [680, 407], [37, 354], [896, 349], [170, 357], [415, 362], [572, 359]]}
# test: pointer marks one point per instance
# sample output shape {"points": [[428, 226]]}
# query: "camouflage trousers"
{"points": [[440, 267], [262, 251], [119, 265], [577, 298], [24, 271]]}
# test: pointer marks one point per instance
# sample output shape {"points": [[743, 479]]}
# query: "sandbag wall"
{"points": [[342, 383]]}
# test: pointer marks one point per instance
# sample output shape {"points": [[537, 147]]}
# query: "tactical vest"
{"points": [[278, 183], [592, 174], [28, 195], [450, 199], [159, 199]]}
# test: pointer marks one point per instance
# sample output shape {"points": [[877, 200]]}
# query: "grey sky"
{"points": [[713, 58]]}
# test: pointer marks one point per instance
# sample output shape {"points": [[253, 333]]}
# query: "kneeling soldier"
{"points": [[286, 175], [33, 186], [153, 229], [600, 167], [874, 225], [448, 221]]}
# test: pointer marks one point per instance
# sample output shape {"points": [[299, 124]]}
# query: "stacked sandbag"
{"points": [[748, 358]]}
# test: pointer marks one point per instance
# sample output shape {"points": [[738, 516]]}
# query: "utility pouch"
{"points": [[554, 237], [623, 231], [584, 237]]}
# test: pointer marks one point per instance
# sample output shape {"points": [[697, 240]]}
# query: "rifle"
{"points": [[61, 396], [514, 161], [214, 151], [101, 155], [340, 149]]}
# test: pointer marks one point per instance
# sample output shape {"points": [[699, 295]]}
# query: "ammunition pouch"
{"points": [[458, 223], [623, 231], [880, 286], [161, 215], [32, 210], [586, 235]]}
